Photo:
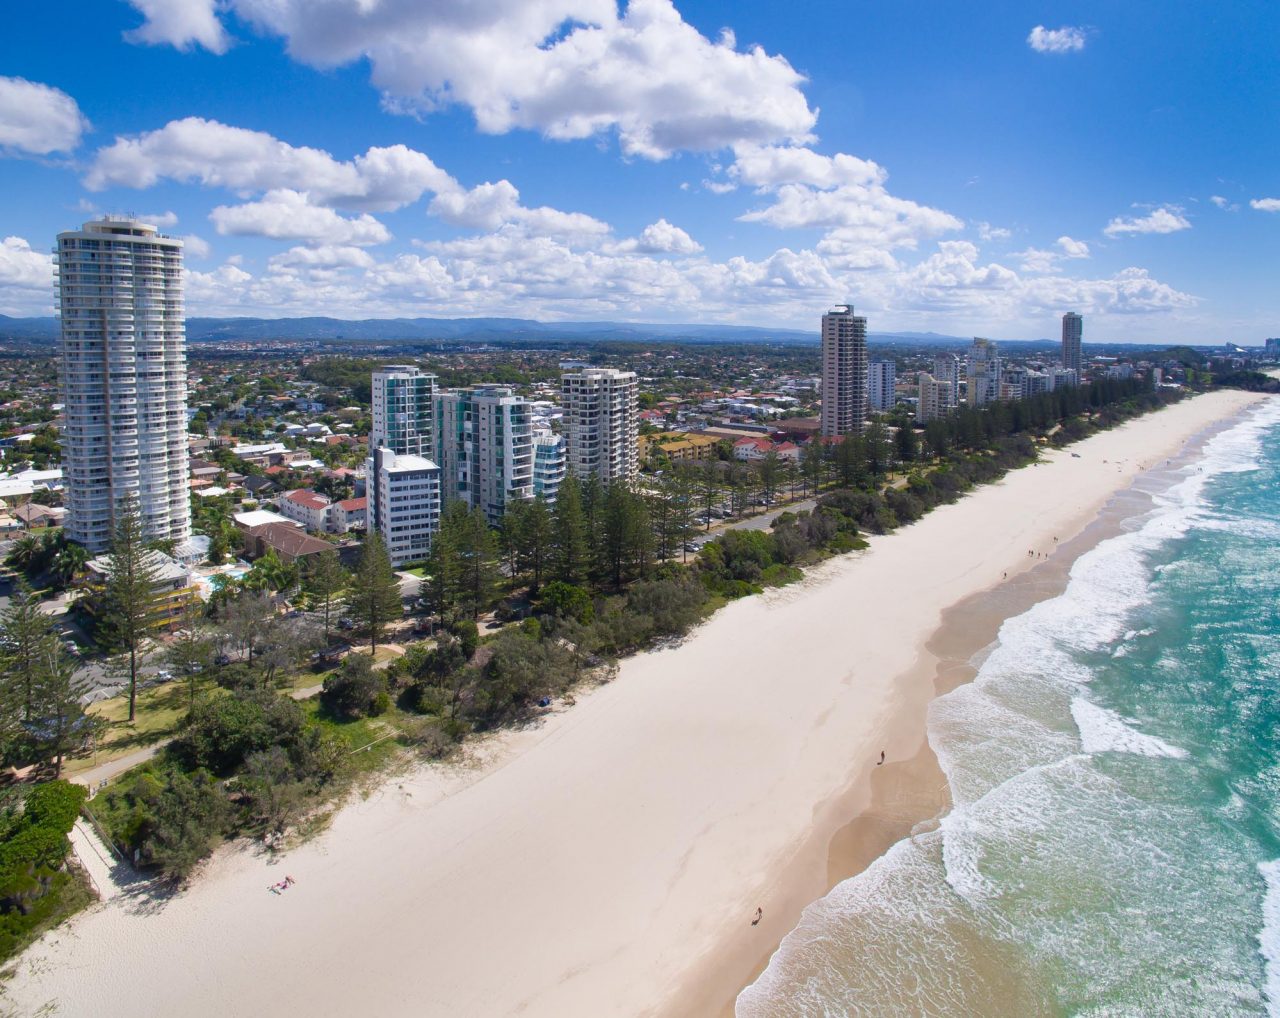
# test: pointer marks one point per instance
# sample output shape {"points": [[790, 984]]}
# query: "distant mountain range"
{"points": [[38, 331]]}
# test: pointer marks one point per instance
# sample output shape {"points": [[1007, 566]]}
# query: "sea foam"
{"points": [[1269, 938], [1104, 731]]}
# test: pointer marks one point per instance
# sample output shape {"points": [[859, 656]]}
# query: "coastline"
{"points": [[617, 853], [910, 794]]}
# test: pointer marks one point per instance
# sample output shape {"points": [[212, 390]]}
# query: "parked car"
{"points": [[164, 675], [222, 660]]}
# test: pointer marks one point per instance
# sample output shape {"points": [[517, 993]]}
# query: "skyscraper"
{"points": [[946, 368], [1072, 331], [934, 398], [844, 371], [403, 484], [549, 456], [602, 421], [123, 380], [485, 448], [983, 370], [882, 376]]}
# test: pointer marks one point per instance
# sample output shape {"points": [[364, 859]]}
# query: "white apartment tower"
{"points": [[844, 371], [402, 483], [485, 448], [882, 376], [602, 422], [123, 379], [549, 465], [1072, 334], [935, 398], [946, 368], [983, 373]]}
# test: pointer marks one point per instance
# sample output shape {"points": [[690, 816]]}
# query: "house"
{"points": [[751, 450], [287, 540], [307, 507], [348, 514], [258, 518], [260, 486], [34, 515]]}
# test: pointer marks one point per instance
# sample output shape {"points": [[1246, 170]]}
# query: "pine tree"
{"points": [[60, 711], [373, 598], [569, 553], [536, 537], [477, 554], [324, 583], [129, 596], [26, 638]]}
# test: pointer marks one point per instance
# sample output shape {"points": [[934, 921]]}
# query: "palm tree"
{"points": [[25, 553], [69, 562]]}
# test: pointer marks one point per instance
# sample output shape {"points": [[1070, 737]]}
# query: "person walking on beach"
{"points": [[881, 758], [759, 916]]}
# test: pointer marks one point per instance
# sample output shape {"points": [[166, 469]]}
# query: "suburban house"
{"points": [[287, 540]]}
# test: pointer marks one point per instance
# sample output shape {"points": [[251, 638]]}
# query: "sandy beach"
{"points": [[610, 860]]}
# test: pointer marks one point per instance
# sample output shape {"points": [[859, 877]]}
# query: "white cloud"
{"points": [[24, 268], [164, 220], [1073, 248], [716, 186], [196, 247], [987, 232], [1222, 203], [289, 215], [1165, 219], [488, 206], [1056, 40], [1265, 204], [660, 238], [180, 23], [217, 155], [327, 257], [841, 194], [568, 68], [38, 119]]}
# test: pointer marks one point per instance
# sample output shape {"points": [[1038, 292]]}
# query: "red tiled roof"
{"points": [[307, 499], [353, 505], [289, 540]]}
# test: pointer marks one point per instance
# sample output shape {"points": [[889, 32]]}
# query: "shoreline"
{"points": [[910, 793], [609, 861]]}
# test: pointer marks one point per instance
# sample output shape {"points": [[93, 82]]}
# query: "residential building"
{"points": [[1272, 348], [601, 419], [172, 588], [882, 376], [123, 380], [983, 373], [403, 405], [679, 446], [752, 450], [484, 447], [1072, 333], [406, 509], [844, 371], [290, 543], [946, 368], [401, 439], [550, 463], [349, 514], [308, 508], [934, 398], [259, 517]]}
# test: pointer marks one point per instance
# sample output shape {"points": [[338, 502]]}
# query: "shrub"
{"points": [[352, 691]]}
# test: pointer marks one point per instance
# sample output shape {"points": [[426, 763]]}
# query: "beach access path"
{"points": [[593, 865]]}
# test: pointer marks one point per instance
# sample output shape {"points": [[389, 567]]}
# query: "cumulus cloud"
{"points": [[181, 23], [1223, 203], [289, 215], [987, 232], [1265, 204], [1056, 40], [1165, 219], [37, 119], [660, 238], [24, 268], [327, 256], [488, 206], [196, 247], [570, 69], [194, 150], [1072, 248]]}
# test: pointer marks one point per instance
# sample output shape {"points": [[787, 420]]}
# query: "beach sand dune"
{"points": [[609, 862]]}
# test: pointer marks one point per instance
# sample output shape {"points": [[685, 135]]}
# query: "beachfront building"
{"points": [[844, 371], [484, 446], [123, 380], [550, 463], [1072, 333], [934, 398], [403, 486], [946, 368], [602, 421], [983, 372], [408, 504], [882, 376]]}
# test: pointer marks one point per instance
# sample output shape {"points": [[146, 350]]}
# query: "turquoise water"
{"points": [[1114, 847]]}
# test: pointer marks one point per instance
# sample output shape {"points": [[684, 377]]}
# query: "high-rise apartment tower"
{"points": [[844, 371], [602, 422], [123, 380], [1072, 332], [485, 448]]}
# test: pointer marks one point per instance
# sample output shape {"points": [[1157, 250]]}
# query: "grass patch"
{"points": [[371, 742], [160, 709]]}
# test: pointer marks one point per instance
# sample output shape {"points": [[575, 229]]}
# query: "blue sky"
{"points": [[967, 169]]}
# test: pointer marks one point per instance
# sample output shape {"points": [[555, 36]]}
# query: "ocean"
{"points": [[1113, 847]]}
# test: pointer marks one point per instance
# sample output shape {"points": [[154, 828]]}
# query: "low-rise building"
{"points": [[309, 508], [348, 514], [289, 541], [173, 588]]}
